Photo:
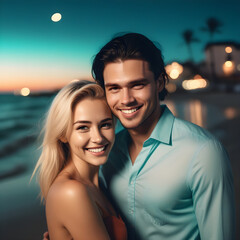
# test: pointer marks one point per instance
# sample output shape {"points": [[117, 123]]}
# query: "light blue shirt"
{"points": [[179, 188]]}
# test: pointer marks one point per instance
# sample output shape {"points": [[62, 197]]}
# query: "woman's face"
{"points": [[92, 133]]}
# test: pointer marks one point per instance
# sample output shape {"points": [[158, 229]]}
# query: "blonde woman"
{"points": [[78, 136]]}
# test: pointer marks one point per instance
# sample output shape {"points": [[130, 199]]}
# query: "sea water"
{"points": [[21, 120]]}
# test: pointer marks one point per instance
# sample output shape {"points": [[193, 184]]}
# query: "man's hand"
{"points": [[46, 236]]}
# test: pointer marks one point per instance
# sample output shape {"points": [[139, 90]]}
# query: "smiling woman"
{"points": [[78, 136]]}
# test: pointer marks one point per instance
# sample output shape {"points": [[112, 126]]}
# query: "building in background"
{"points": [[224, 59], [220, 70]]}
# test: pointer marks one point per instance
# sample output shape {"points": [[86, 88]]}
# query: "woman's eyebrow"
{"points": [[82, 121], [88, 122]]}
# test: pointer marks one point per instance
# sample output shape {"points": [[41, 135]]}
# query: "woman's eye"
{"points": [[106, 125], [82, 128]]}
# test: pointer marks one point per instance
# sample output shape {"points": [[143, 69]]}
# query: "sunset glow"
{"points": [[25, 91]]}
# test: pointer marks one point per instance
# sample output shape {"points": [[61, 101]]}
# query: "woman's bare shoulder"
{"points": [[71, 204], [67, 189]]}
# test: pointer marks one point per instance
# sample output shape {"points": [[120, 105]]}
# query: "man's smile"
{"points": [[130, 110]]}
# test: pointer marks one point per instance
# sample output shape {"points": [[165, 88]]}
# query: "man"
{"points": [[169, 178]]}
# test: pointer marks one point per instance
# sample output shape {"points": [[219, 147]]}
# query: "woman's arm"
{"points": [[72, 213]]}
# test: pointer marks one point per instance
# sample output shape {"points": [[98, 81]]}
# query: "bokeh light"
{"points": [[228, 67], [174, 70], [230, 113], [25, 91], [56, 17], [171, 87], [195, 83], [228, 49]]}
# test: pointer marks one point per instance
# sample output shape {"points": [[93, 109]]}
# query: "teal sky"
{"points": [[39, 53]]}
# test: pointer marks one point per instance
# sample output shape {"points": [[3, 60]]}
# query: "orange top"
{"points": [[115, 226]]}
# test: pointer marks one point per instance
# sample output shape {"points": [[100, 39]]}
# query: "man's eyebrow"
{"points": [[89, 122], [137, 81], [111, 84]]}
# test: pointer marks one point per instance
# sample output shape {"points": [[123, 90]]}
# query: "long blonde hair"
{"points": [[57, 125]]}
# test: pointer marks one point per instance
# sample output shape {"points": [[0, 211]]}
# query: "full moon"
{"points": [[56, 17]]}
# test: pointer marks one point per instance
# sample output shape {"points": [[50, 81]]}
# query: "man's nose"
{"points": [[96, 136], [127, 96]]}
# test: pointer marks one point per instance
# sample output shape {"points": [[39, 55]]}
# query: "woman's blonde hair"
{"points": [[57, 126]]}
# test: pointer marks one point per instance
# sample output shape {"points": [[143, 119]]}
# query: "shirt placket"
{"points": [[132, 184]]}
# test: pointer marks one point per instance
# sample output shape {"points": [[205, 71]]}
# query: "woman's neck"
{"points": [[84, 172]]}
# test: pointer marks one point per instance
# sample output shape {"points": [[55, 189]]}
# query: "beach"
{"points": [[21, 212]]}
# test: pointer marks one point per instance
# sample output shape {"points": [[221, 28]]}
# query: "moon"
{"points": [[56, 17]]}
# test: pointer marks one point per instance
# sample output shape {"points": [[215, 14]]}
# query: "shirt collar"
{"points": [[163, 130]]}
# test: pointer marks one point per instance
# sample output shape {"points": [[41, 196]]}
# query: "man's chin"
{"points": [[129, 125]]}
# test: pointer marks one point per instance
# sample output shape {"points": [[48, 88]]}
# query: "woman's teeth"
{"points": [[96, 150]]}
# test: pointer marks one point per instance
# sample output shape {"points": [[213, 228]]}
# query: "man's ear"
{"points": [[160, 83]]}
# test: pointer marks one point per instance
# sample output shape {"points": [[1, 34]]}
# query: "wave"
{"points": [[17, 144], [12, 127], [16, 170]]}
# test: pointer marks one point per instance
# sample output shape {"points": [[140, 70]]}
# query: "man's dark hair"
{"points": [[130, 46]]}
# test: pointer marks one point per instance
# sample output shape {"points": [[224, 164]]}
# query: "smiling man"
{"points": [[169, 178]]}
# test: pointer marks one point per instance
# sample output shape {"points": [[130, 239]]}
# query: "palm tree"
{"points": [[189, 38], [213, 26]]}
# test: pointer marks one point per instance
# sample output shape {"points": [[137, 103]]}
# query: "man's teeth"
{"points": [[96, 150], [129, 111]]}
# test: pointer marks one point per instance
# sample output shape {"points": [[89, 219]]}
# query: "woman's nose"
{"points": [[96, 136]]}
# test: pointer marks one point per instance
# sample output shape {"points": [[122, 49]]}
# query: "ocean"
{"points": [[20, 123], [21, 212]]}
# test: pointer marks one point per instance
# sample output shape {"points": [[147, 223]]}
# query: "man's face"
{"points": [[132, 92]]}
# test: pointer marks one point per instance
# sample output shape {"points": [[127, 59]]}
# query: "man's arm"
{"points": [[211, 183]]}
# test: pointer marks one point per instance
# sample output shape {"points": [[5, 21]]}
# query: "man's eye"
{"points": [[113, 89], [138, 86]]}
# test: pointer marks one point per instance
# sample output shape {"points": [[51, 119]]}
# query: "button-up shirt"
{"points": [[180, 186]]}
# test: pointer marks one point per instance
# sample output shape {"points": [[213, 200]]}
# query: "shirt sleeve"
{"points": [[211, 183]]}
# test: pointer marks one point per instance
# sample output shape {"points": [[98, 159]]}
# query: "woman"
{"points": [[78, 136]]}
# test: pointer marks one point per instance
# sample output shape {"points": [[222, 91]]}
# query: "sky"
{"points": [[40, 54]]}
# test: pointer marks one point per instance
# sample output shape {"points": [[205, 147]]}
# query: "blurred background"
{"points": [[45, 44]]}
